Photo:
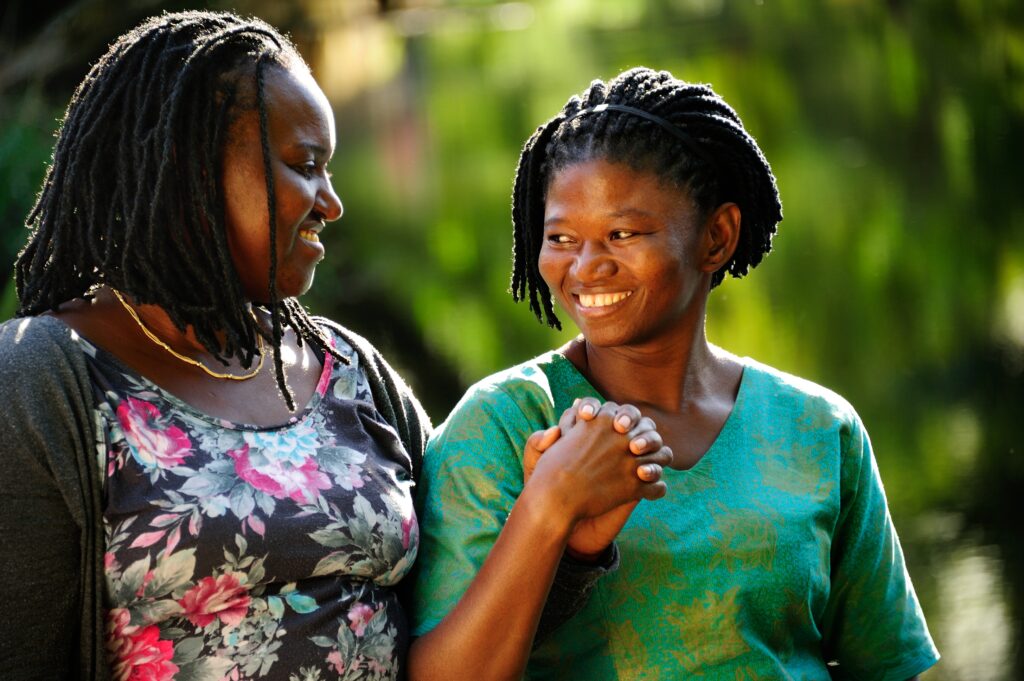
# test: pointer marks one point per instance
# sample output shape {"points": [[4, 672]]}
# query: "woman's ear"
{"points": [[721, 234]]}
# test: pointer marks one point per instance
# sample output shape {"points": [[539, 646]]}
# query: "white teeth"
{"points": [[602, 299], [309, 235]]}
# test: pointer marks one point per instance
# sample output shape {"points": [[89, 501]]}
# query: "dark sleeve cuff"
{"points": [[570, 590]]}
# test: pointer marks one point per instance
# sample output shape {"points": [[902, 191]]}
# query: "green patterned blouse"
{"points": [[774, 557]]}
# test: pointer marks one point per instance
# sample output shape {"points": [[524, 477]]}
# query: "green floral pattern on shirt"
{"points": [[773, 556]]}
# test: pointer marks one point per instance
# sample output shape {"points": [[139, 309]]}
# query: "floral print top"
{"points": [[239, 552]]}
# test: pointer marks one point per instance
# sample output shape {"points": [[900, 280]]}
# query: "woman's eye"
{"points": [[559, 239], [307, 170], [622, 234]]}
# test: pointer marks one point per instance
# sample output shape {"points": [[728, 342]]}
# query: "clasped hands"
{"points": [[601, 459]]}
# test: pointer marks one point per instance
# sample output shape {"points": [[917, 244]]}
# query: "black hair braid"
{"points": [[528, 209], [723, 163], [268, 172], [133, 199]]}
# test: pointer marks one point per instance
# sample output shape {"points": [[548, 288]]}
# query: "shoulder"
{"points": [[344, 339], [361, 353], [393, 398], [525, 390], [45, 388], [778, 390], [37, 347]]}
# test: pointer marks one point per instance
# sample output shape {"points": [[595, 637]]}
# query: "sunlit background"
{"points": [[895, 130]]}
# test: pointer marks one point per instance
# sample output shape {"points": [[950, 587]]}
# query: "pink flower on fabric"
{"points": [[224, 598], [152, 446], [334, 658], [325, 375], [410, 529], [360, 615], [280, 478], [136, 653]]}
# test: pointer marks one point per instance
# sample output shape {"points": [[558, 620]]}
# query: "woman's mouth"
{"points": [[309, 235], [598, 300]]}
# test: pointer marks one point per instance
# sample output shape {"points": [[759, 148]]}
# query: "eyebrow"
{"points": [[309, 146], [630, 213], [623, 213]]}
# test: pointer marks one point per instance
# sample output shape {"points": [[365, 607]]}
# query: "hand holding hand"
{"points": [[638, 435]]}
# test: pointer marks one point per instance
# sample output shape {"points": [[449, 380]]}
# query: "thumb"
{"points": [[536, 445], [549, 437]]}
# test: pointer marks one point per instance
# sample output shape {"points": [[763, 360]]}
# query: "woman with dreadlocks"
{"points": [[773, 555], [200, 480]]}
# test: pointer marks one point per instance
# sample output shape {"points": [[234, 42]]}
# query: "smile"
{"points": [[309, 235], [602, 299]]}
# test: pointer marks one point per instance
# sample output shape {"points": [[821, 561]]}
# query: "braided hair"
{"points": [[712, 158], [132, 198]]}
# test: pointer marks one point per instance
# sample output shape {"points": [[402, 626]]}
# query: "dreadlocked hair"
{"points": [[719, 163], [133, 199]]}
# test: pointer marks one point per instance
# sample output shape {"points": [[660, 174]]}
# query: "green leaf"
{"points": [[301, 604], [276, 607], [131, 581], [332, 564], [330, 538], [187, 650], [323, 641], [205, 669], [256, 572], [157, 611], [171, 573], [338, 459]]}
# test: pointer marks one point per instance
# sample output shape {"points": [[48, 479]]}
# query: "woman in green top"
{"points": [[773, 555]]}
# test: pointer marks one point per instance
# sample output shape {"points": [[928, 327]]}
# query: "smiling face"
{"points": [[624, 254], [300, 127]]}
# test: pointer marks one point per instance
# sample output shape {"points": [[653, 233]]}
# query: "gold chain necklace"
{"points": [[188, 360]]}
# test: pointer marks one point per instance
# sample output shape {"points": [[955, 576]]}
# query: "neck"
{"points": [[667, 376], [159, 323]]}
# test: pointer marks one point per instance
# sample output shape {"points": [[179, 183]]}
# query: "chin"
{"points": [[294, 289], [605, 338]]}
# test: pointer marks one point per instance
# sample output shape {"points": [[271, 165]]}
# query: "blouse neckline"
{"points": [[732, 422], [187, 409]]}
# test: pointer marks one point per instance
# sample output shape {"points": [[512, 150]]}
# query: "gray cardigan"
{"points": [[51, 513]]}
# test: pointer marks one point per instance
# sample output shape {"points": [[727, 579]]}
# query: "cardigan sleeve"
{"points": [[51, 541]]}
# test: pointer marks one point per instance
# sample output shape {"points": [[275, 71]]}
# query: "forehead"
{"points": [[297, 109], [599, 184]]}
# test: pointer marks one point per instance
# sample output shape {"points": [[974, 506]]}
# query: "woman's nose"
{"points": [[594, 263], [328, 203]]}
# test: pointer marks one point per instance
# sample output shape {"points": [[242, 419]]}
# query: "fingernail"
{"points": [[649, 470], [624, 420], [576, 401], [640, 443], [587, 409]]}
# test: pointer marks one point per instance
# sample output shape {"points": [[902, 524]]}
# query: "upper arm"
{"points": [[873, 624], [472, 475], [44, 453]]}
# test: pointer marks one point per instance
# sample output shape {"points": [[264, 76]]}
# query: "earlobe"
{"points": [[721, 234]]}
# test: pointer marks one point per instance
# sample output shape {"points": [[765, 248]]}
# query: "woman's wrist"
{"points": [[541, 505], [598, 558]]}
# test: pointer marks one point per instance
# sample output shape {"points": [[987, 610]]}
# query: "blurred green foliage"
{"points": [[897, 279]]}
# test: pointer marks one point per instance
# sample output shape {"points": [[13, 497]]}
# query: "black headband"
{"points": [[689, 142]]}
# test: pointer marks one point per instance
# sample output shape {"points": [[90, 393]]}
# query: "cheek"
{"points": [[552, 268]]}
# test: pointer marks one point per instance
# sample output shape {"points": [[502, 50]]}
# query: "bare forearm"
{"points": [[489, 633]]}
